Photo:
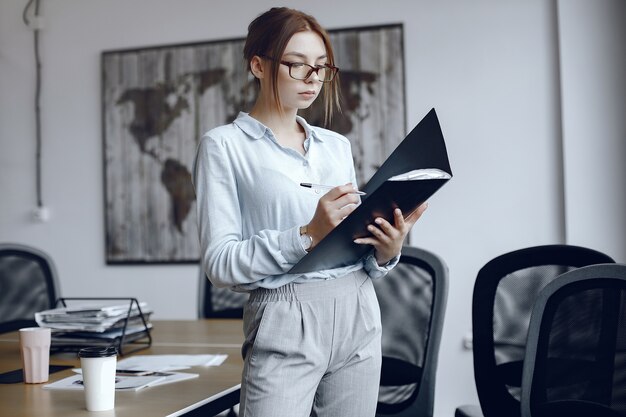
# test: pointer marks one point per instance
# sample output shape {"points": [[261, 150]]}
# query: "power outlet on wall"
{"points": [[41, 214], [468, 341]]}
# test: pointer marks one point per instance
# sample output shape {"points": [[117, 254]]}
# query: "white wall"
{"points": [[592, 36], [490, 67]]}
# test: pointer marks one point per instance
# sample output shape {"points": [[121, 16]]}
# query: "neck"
{"points": [[284, 122], [286, 129]]}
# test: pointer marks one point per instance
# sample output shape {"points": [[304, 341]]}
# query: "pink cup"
{"points": [[35, 348]]}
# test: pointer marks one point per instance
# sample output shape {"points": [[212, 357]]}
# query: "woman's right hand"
{"points": [[332, 208]]}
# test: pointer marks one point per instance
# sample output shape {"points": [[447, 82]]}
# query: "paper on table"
{"points": [[170, 377], [123, 383], [163, 377], [170, 362]]}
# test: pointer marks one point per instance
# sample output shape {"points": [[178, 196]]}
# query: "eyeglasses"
{"points": [[301, 71]]}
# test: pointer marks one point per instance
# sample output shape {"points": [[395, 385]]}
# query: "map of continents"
{"points": [[155, 109]]}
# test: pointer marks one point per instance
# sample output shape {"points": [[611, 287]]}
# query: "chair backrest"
{"points": [[28, 284], [575, 362], [412, 298], [504, 293], [214, 302]]}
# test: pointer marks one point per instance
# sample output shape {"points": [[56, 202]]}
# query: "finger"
{"points": [[416, 214], [345, 211], [347, 199], [398, 219], [332, 201], [367, 241], [340, 190], [387, 227], [378, 234]]}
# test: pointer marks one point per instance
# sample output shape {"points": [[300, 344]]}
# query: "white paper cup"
{"points": [[98, 368], [35, 349]]}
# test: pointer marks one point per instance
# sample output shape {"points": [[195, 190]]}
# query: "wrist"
{"points": [[383, 260], [305, 238]]}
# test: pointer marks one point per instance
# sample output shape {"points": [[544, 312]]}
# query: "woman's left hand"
{"points": [[387, 238]]}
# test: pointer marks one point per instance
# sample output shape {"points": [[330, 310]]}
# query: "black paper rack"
{"points": [[102, 324]]}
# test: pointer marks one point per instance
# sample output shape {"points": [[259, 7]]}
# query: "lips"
{"points": [[308, 94]]}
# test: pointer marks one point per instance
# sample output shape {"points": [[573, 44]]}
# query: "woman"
{"points": [[312, 341]]}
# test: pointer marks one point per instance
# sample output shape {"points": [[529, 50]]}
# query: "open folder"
{"points": [[415, 170]]}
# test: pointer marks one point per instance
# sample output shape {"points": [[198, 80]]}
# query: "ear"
{"points": [[257, 67]]}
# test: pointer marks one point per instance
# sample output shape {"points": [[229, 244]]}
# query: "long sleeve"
{"points": [[228, 258]]}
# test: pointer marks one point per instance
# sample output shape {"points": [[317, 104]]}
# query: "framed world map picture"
{"points": [[158, 101]]}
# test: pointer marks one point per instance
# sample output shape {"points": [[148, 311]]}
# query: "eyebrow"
{"points": [[301, 55]]}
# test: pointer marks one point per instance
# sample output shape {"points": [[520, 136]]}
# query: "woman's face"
{"points": [[303, 47]]}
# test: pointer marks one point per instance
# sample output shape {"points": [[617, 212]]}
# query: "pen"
{"points": [[325, 187]]}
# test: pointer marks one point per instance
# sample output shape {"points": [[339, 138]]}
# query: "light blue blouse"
{"points": [[250, 204]]}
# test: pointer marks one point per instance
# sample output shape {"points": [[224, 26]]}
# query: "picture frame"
{"points": [[158, 101]]}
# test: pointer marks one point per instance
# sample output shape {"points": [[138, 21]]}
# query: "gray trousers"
{"points": [[312, 349]]}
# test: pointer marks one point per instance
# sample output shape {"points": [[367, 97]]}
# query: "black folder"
{"points": [[423, 149]]}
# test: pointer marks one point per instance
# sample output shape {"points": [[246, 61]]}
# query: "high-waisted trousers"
{"points": [[312, 349]]}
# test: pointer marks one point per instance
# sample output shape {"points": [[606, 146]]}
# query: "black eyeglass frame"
{"points": [[312, 69]]}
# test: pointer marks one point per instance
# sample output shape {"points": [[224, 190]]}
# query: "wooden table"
{"points": [[216, 389]]}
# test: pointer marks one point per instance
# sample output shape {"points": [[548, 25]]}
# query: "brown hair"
{"points": [[268, 36]]}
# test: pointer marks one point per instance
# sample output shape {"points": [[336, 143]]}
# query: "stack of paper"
{"points": [[96, 322], [92, 318]]}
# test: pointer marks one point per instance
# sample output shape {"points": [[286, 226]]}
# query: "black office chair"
{"points": [[28, 284], [412, 300], [575, 361], [219, 303], [504, 293]]}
